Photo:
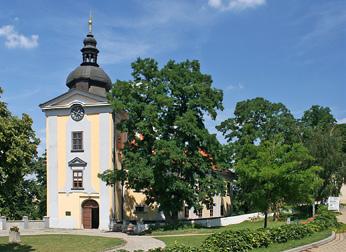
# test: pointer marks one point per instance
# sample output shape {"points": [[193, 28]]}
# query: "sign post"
{"points": [[334, 203]]}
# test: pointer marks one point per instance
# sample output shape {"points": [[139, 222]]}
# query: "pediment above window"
{"points": [[77, 162]]}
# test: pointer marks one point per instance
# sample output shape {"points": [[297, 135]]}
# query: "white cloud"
{"points": [[13, 39], [115, 50], [235, 5], [235, 86], [342, 121], [324, 27]]}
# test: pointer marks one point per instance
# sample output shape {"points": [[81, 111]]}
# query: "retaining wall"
{"points": [[25, 223]]}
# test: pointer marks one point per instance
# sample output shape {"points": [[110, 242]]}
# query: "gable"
{"points": [[77, 162], [74, 96]]}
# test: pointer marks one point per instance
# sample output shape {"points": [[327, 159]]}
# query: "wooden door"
{"points": [[87, 217]]}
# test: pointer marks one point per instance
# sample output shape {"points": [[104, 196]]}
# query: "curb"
{"points": [[311, 245]]}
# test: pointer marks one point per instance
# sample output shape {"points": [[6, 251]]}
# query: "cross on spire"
{"points": [[90, 23]]}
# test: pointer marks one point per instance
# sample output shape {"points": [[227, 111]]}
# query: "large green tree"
{"points": [[326, 142], [258, 120], [18, 145], [170, 155], [39, 185], [274, 173], [254, 121]]}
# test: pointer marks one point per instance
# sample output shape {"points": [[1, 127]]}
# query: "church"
{"points": [[81, 142]]}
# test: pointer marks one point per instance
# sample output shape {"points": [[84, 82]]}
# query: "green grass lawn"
{"points": [[60, 243], [191, 230], [200, 234], [190, 240]]}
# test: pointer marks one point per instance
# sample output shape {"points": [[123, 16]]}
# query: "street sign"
{"points": [[333, 203]]}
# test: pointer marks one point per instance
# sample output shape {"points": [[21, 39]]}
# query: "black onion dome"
{"points": [[89, 73], [93, 75]]}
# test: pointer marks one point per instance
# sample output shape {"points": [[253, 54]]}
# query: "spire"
{"points": [[89, 51], [90, 23]]}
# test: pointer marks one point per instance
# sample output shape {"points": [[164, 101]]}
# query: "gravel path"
{"points": [[132, 242]]}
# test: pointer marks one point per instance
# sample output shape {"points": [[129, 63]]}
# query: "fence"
{"points": [[25, 223], [225, 221]]}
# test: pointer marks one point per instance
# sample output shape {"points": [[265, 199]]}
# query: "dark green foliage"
{"points": [[318, 116], [18, 145], [325, 141], [259, 120], [39, 186], [166, 133], [246, 240], [242, 240], [275, 173], [289, 232]]}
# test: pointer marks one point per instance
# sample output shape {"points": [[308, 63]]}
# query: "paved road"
{"points": [[338, 244], [132, 242]]}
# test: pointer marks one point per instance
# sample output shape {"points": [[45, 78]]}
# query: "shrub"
{"points": [[285, 233], [246, 240], [242, 240]]}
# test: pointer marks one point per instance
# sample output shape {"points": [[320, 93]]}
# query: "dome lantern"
{"points": [[89, 76]]}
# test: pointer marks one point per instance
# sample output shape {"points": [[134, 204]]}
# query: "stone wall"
{"points": [[25, 223]]}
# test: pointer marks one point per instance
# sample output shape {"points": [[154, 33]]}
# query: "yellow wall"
{"points": [[72, 201], [95, 153]]}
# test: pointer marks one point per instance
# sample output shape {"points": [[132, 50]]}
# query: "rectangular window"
{"points": [[186, 212], [77, 141], [222, 210], [77, 180], [211, 210], [199, 213], [139, 209]]}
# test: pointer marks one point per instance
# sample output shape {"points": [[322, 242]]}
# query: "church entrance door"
{"points": [[90, 214]]}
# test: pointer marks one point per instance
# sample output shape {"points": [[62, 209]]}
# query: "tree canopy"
{"points": [[325, 141], [18, 145], [170, 155], [274, 173], [257, 120]]}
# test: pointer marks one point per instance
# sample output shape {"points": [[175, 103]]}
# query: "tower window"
{"points": [[187, 212], [199, 213], [77, 141], [211, 209], [77, 179], [139, 209]]}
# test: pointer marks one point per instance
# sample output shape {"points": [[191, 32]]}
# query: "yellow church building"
{"points": [[81, 141]]}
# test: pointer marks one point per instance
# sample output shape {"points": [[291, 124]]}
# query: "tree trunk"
{"points": [[171, 217], [265, 219]]}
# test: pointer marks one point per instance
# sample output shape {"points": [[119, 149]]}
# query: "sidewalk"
{"points": [[338, 244]]}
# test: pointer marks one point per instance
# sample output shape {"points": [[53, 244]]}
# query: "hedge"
{"points": [[245, 240]]}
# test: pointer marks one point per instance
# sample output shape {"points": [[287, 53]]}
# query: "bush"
{"points": [[245, 240], [242, 240], [289, 232]]}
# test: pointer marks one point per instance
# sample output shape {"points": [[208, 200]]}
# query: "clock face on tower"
{"points": [[77, 112]]}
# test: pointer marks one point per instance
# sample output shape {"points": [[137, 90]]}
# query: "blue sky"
{"points": [[286, 51]]}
